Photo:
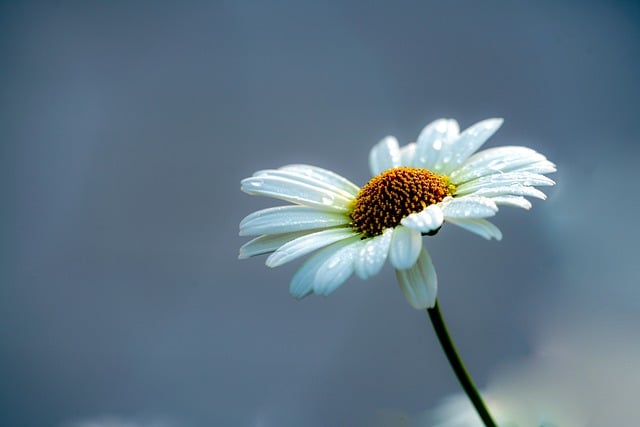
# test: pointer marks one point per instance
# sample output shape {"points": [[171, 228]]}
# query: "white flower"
{"points": [[415, 190]]}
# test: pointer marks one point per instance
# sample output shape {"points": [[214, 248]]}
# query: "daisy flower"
{"points": [[415, 190]]}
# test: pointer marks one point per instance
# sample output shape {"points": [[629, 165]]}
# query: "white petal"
{"points": [[384, 155], [405, 247], [325, 175], [514, 190], [479, 226], [498, 160], [432, 141], [285, 219], [505, 154], [407, 154], [302, 282], [468, 207], [513, 201], [372, 254], [541, 167], [295, 192], [419, 283], [466, 144], [303, 176], [503, 179], [428, 220], [336, 269], [267, 244], [306, 244]]}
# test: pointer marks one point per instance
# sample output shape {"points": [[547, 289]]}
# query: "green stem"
{"points": [[458, 367]]}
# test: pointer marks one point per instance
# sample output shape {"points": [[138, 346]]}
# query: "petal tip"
{"points": [[299, 294], [272, 263], [299, 297], [495, 121]]}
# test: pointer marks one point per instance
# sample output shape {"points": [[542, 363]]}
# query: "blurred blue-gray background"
{"points": [[125, 128]]}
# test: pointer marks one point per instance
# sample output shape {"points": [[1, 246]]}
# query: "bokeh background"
{"points": [[125, 128]]}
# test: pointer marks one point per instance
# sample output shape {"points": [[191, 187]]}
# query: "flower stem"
{"points": [[458, 367]]}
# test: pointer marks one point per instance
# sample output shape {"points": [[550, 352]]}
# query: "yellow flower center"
{"points": [[395, 194]]}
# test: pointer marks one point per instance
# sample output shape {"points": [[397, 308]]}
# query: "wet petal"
{"points": [[405, 247], [307, 244], [336, 269], [407, 154], [504, 179], [372, 254], [303, 176], [432, 141], [303, 280], [468, 207], [513, 190], [384, 155], [295, 191], [479, 226], [542, 167], [499, 160], [420, 282], [325, 175], [286, 219], [428, 220], [513, 201], [267, 244], [466, 144]]}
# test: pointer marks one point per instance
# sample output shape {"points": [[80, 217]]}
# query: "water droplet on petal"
{"points": [[327, 200]]}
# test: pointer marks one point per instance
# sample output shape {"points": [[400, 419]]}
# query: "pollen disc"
{"points": [[395, 194]]}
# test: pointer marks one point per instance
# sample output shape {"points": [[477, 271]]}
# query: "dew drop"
{"points": [[327, 200]]}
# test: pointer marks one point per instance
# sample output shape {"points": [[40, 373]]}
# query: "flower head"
{"points": [[415, 190]]}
